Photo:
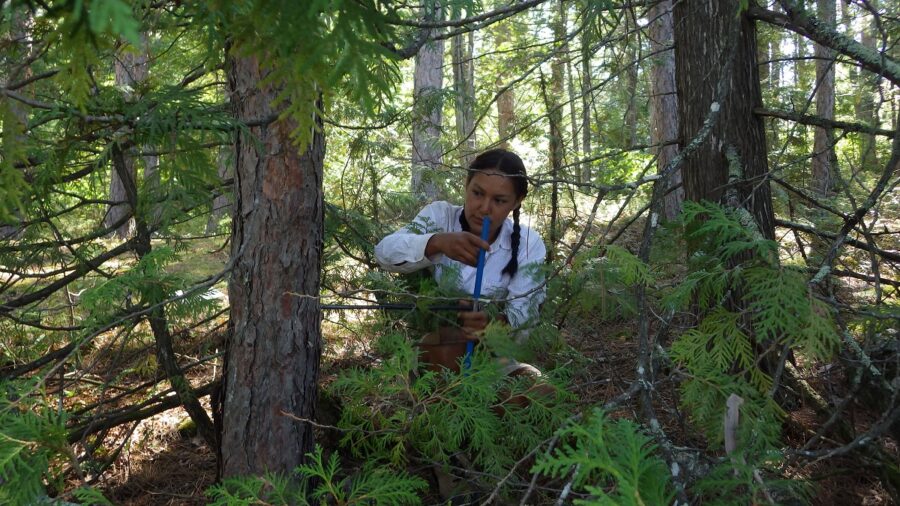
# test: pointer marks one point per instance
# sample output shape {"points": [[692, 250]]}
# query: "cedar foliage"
{"points": [[56, 164], [614, 462], [320, 483]]}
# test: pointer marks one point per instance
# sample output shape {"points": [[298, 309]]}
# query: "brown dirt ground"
{"points": [[163, 467]]}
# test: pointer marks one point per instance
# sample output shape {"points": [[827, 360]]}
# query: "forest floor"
{"points": [[164, 464], [168, 466]]}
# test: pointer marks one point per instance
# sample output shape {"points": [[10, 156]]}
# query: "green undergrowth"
{"points": [[35, 456], [319, 482]]}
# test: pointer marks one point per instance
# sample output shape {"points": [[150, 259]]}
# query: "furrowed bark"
{"points": [[663, 101], [700, 54], [272, 359]]}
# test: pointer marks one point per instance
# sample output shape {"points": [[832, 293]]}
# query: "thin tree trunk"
{"points": [[462, 48], [19, 49], [272, 361], [704, 32], [570, 81], [865, 104], [587, 103], [506, 105], [776, 77], [151, 162], [800, 77], [631, 81], [157, 317], [428, 82], [664, 102], [554, 116], [222, 201], [130, 70], [824, 159]]}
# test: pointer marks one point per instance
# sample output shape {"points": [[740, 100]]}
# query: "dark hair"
{"points": [[511, 165]]}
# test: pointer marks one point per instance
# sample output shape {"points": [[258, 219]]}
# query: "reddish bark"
{"points": [[273, 354]]}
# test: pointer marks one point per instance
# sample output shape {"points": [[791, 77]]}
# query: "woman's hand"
{"points": [[460, 246], [472, 324]]}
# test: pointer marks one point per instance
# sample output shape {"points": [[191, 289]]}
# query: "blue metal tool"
{"points": [[479, 274]]}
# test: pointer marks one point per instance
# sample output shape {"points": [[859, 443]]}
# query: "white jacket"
{"points": [[404, 251]]}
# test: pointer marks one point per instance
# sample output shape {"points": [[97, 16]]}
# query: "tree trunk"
{"points": [[629, 122], [556, 162], [157, 319], [663, 101], [130, 69], [570, 81], [587, 103], [462, 49], [865, 103], [554, 116], [824, 159], [426, 122], [272, 361], [776, 71], [222, 201], [704, 32], [506, 105], [17, 51], [151, 162]]}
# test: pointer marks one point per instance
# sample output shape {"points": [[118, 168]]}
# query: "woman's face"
{"points": [[489, 193]]}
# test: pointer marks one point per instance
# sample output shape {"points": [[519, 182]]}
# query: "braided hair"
{"points": [[511, 165]]}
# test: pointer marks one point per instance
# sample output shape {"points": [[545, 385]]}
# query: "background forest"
{"points": [[190, 192]]}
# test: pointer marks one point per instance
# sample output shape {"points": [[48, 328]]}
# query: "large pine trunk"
{"points": [[272, 361], [703, 34]]}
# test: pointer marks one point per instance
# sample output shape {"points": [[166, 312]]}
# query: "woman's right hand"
{"points": [[460, 246]]}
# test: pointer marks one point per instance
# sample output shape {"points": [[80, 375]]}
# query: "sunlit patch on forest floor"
{"points": [[164, 465]]}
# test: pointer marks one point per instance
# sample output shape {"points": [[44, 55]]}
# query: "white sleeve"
{"points": [[404, 250], [526, 289]]}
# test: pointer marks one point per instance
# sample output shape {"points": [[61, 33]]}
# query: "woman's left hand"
{"points": [[472, 323]]}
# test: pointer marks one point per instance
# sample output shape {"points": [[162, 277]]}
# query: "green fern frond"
{"points": [[270, 489], [31, 439], [615, 462], [705, 393], [632, 270], [753, 476], [92, 496], [719, 231]]}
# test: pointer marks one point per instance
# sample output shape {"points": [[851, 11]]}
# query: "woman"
{"points": [[445, 235]]}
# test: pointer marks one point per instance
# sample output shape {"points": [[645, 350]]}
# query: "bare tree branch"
{"points": [[797, 20], [809, 119]]}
